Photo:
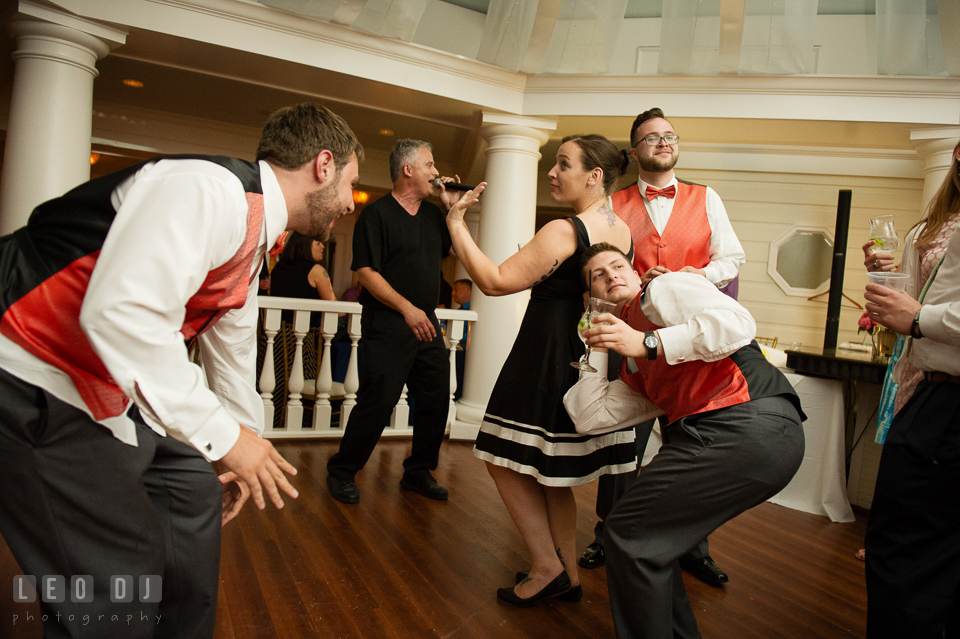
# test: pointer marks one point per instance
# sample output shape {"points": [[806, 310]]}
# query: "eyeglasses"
{"points": [[654, 140]]}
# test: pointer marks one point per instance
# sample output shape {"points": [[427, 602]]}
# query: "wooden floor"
{"points": [[400, 565]]}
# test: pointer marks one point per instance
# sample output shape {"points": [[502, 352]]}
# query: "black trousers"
{"points": [[913, 537], [610, 488], [77, 501], [712, 467], [392, 357]]}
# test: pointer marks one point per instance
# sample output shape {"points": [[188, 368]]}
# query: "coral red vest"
{"points": [[697, 386], [47, 265], [686, 237]]}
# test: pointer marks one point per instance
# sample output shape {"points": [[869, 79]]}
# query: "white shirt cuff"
{"points": [[677, 343], [217, 436]]}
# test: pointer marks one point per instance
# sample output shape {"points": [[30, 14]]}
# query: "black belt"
{"points": [[938, 377]]}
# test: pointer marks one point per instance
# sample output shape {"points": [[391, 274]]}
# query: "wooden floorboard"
{"points": [[398, 565]]}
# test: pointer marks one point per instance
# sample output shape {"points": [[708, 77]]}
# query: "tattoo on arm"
{"points": [[550, 272], [323, 272]]}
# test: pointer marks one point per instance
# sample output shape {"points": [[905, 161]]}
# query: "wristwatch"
{"points": [[915, 327], [651, 341]]}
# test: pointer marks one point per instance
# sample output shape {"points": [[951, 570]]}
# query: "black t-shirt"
{"points": [[405, 249]]}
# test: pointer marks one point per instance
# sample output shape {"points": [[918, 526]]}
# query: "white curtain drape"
{"points": [[778, 36], [391, 18], [585, 35], [506, 33], [323, 9], [908, 38], [690, 37]]}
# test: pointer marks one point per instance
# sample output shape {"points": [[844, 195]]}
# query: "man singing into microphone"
{"points": [[398, 244]]}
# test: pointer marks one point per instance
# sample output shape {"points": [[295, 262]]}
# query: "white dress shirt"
{"points": [[726, 253], [939, 350], [700, 323], [176, 221]]}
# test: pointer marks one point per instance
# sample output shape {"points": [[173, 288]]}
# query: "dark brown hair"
{"points": [[649, 114], [592, 251], [295, 135], [597, 151], [299, 248]]}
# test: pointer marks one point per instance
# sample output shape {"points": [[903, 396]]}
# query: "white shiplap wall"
{"points": [[764, 206]]}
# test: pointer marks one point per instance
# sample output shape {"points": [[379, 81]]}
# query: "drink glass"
{"points": [[884, 234], [896, 281], [596, 307]]}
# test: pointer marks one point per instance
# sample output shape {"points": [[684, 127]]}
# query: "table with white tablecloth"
{"points": [[820, 485]]}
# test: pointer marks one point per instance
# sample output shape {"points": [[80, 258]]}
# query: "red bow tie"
{"points": [[281, 242], [669, 192]]}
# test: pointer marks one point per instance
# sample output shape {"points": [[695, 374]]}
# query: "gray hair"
{"points": [[404, 152]]}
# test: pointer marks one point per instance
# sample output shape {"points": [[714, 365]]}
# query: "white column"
{"points": [[935, 148], [51, 107], [507, 220]]}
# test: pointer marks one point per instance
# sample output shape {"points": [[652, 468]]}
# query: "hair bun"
{"points": [[625, 160]]}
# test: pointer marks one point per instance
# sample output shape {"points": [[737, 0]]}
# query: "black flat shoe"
{"points": [[559, 585], [573, 595]]}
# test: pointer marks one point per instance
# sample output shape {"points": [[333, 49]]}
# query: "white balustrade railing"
{"points": [[285, 392]]}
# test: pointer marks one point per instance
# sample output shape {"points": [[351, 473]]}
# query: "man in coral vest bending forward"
{"points": [[103, 292], [734, 437], [676, 226]]}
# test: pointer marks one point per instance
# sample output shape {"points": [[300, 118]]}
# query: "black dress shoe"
{"points": [[706, 570], [344, 490], [559, 585], [592, 557], [575, 593], [424, 484]]}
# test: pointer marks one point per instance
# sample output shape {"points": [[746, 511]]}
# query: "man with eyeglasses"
{"points": [[676, 226]]}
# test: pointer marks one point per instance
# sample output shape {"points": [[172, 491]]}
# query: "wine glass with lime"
{"points": [[884, 234], [595, 307]]}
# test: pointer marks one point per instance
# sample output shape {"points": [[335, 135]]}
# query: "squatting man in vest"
{"points": [[734, 437], [107, 429]]}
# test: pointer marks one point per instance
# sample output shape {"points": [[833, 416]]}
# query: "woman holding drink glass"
{"points": [[924, 247], [911, 544], [530, 446]]}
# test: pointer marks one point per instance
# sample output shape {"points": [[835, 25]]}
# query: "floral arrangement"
{"points": [[867, 325], [882, 339]]}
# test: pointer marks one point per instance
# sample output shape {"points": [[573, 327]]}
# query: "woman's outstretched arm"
{"points": [[535, 262]]}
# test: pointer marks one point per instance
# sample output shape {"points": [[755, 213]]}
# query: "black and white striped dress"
{"points": [[526, 427]]}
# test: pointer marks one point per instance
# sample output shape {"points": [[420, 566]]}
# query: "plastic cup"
{"points": [[896, 281]]}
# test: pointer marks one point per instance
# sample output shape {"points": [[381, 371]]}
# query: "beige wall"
{"points": [[764, 206]]}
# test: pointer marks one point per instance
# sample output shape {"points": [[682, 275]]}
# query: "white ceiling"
{"points": [[192, 78]]}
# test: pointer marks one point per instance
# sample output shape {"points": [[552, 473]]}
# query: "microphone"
{"points": [[453, 186]]}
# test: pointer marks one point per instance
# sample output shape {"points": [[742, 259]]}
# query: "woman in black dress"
{"points": [[298, 272], [531, 447]]}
